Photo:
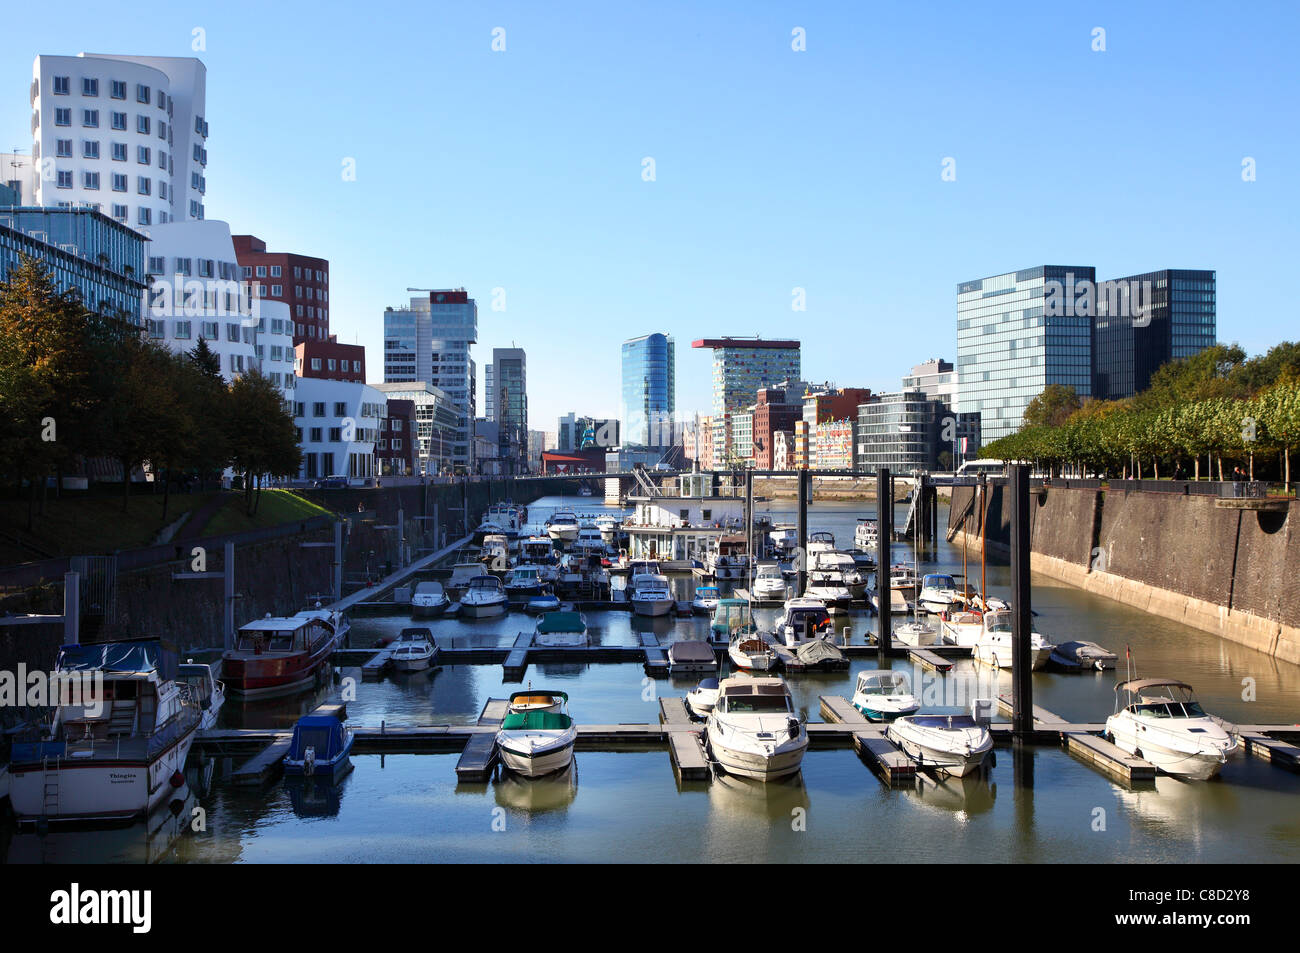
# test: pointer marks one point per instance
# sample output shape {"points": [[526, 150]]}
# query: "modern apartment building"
{"points": [[437, 425], [300, 281], [395, 454], [901, 431], [649, 391], [330, 360], [775, 411], [122, 134], [429, 342], [505, 397], [740, 367], [1009, 348], [338, 428]]}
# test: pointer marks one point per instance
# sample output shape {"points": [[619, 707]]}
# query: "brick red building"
{"points": [[330, 360], [777, 409], [591, 460], [395, 450], [300, 281]]}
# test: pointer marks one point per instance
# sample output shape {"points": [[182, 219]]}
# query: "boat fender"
{"points": [[794, 727], [177, 779]]}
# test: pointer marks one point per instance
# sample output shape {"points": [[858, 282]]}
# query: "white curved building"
{"points": [[123, 134]]}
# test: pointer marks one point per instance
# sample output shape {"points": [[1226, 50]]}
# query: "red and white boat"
{"points": [[277, 655]]}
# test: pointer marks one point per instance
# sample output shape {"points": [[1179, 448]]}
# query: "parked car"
{"points": [[335, 482]]}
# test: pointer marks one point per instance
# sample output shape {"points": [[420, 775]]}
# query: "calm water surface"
{"points": [[1038, 807]]}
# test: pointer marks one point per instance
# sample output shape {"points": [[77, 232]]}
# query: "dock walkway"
{"points": [[480, 755]]}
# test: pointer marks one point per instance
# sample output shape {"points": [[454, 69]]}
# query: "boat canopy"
{"points": [[536, 720], [428, 589], [882, 681], [130, 658], [415, 634], [938, 580], [690, 650], [530, 692], [322, 732], [944, 721], [562, 622]]}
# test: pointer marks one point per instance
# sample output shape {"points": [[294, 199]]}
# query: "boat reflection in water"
{"points": [[733, 798], [1179, 807], [315, 796], [966, 796], [553, 792], [152, 840]]}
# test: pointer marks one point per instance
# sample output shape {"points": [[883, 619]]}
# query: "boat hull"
{"points": [[751, 663], [927, 755], [482, 610], [652, 607], [751, 764], [412, 664], [562, 534], [429, 611], [1200, 766], [533, 764]]}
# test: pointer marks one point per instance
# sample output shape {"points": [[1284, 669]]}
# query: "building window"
{"points": [[64, 180], [89, 87], [162, 160], [275, 271], [331, 364], [62, 85], [90, 148], [142, 185], [119, 212], [336, 435], [206, 267], [162, 129], [157, 328], [119, 121], [118, 90], [182, 330], [63, 148], [183, 266], [340, 409], [315, 434], [277, 291], [90, 118], [145, 216], [141, 93], [232, 333], [142, 125], [356, 367], [162, 189], [90, 180], [261, 271], [63, 117], [119, 185], [318, 408], [210, 330], [119, 152], [142, 155]]}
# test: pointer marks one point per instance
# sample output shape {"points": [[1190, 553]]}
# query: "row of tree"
{"points": [[76, 386], [1216, 406]]}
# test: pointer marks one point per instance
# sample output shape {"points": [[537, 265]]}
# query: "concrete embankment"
{"points": [[1224, 570]]}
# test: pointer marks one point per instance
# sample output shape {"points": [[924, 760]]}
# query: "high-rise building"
{"points": [[300, 281], [1177, 319], [437, 421], [1009, 348], [122, 134], [505, 396], [330, 360], [649, 391], [429, 342], [740, 367], [901, 431], [574, 432]]}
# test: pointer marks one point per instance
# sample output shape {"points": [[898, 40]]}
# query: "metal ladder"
{"points": [[648, 486], [909, 524], [50, 800]]}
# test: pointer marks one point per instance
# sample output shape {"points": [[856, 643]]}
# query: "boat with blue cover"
{"points": [[320, 747]]}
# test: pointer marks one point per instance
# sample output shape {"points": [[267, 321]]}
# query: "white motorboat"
{"points": [[116, 747], [939, 592], [1080, 655], [803, 620], [544, 601], [902, 576], [608, 526], [1160, 720], [524, 582], [866, 535], [563, 526], [495, 553], [883, 695], [749, 653], [691, 655], [821, 541], [701, 699], [833, 568], [706, 599], [753, 730], [484, 596], [727, 565], [485, 529], [995, 642], [785, 539], [917, 634], [653, 596], [429, 600], [506, 515], [834, 597], [769, 584], [962, 628], [413, 651], [564, 629], [954, 744], [205, 690], [537, 735], [462, 573]]}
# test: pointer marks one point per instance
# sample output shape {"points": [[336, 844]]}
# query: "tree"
{"points": [[144, 420], [205, 394], [1278, 408], [1052, 407], [263, 438]]}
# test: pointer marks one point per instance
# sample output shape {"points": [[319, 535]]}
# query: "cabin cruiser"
{"points": [[278, 655], [537, 735], [484, 530], [963, 628], [539, 551], [804, 619], [833, 568], [917, 634], [429, 600], [544, 601], [506, 515], [820, 542], [485, 596], [994, 645], [753, 730], [727, 565], [834, 597], [866, 535], [1160, 720], [883, 695], [413, 651], [563, 526], [701, 699], [706, 599], [205, 691], [582, 572], [769, 584], [749, 653], [608, 526], [121, 731], [691, 655], [954, 744], [463, 573], [524, 582], [731, 617], [1083, 656], [495, 553], [785, 539], [939, 592], [653, 596], [320, 747], [902, 576], [561, 629]]}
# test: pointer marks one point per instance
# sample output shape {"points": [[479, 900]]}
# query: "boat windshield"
{"points": [[1170, 709], [939, 581], [883, 683], [998, 622], [757, 703]]}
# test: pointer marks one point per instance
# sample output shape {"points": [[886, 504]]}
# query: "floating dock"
{"points": [[479, 758], [890, 763], [931, 661], [1102, 754], [685, 741]]}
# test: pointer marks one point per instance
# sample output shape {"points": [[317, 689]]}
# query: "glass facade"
{"points": [[505, 394], [1009, 348], [742, 366], [649, 391], [900, 431]]}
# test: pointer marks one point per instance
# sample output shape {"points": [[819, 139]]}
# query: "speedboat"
{"points": [[463, 573], [769, 584], [121, 731], [495, 553], [561, 629], [544, 601], [821, 541], [865, 535], [917, 634], [834, 597], [485, 596], [205, 691], [902, 576], [652, 597], [608, 526], [691, 655], [1160, 720], [706, 599], [833, 568], [524, 582], [701, 699], [414, 650], [429, 600], [320, 747], [1084, 656], [954, 744], [278, 655], [883, 695], [563, 526], [785, 539], [939, 592], [995, 643], [749, 653], [753, 730], [804, 619], [537, 734]]}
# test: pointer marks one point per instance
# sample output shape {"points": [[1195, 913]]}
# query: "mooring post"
{"points": [[884, 537], [338, 561], [1021, 619], [801, 563], [72, 608], [228, 609], [750, 549]]}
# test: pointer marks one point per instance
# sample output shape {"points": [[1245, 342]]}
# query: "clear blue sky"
{"points": [[775, 169]]}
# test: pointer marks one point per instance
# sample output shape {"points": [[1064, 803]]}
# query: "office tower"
{"points": [[740, 367], [505, 396], [649, 391]]}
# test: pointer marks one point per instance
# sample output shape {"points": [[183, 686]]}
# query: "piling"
{"points": [[884, 538], [1022, 718]]}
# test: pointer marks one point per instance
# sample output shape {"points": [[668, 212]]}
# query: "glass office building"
{"points": [[505, 396], [1009, 348], [1129, 347], [649, 391], [741, 366]]}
